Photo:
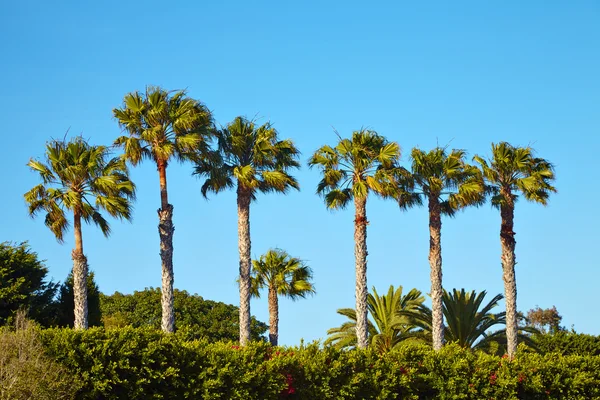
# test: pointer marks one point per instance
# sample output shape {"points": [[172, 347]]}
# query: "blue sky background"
{"points": [[465, 73]]}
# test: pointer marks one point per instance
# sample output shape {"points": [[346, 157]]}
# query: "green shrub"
{"points": [[26, 372], [568, 343], [131, 363]]}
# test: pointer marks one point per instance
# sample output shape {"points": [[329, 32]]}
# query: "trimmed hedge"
{"points": [[133, 363]]}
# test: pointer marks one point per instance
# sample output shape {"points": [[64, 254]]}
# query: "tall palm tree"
{"points": [[512, 170], [388, 325], [163, 126], [448, 183], [84, 180], [251, 158], [283, 275], [352, 169]]}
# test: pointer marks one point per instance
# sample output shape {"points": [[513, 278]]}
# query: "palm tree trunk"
{"points": [[243, 204], [80, 272], [273, 316], [360, 254], [507, 241], [435, 262], [165, 231]]}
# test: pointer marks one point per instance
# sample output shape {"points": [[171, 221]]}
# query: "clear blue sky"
{"points": [[465, 73]]}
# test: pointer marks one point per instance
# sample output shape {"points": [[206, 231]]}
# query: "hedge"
{"points": [[133, 363]]}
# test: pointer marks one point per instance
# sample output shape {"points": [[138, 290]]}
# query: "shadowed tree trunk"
{"points": [[80, 271], [243, 204], [273, 316], [360, 254], [507, 241], [165, 231], [435, 262]]}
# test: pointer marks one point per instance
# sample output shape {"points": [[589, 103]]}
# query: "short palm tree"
{"points": [[387, 327], [469, 320], [448, 184], [512, 170], [84, 180], [282, 275], [351, 170], [163, 126], [251, 158]]}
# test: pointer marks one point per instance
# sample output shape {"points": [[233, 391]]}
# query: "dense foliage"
{"points": [[133, 363], [24, 284], [26, 372], [197, 317], [568, 343]]}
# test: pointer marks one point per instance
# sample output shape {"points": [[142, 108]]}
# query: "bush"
{"points": [[568, 343], [26, 373], [133, 363]]}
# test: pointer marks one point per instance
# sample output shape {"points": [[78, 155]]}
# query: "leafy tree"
{"points": [[468, 321], [82, 179], [512, 170], [351, 170], [163, 126], [448, 184], [545, 320], [282, 275], [388, 325], [252, 159], [193, 315], [24, 284], [66, 302]]}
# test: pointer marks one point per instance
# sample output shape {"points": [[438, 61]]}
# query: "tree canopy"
{"points": [[24, 284], [200, 318]]}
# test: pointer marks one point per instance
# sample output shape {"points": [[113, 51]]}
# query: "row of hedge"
{"points": [[146, 364]]}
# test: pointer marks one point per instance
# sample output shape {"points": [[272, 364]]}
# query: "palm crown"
{"points": [[81, 178], [514, 169], [288, 276], [445, 177], [253, 156], [356, 166], [162, 125], [388, 325]]}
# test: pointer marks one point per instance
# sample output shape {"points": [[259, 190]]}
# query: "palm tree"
{"points": [[163, 126], [283, 276], [253, 157], [509, 171], [80, 178], [352, 169], [388, 325], [468, 320], [448, 183]]}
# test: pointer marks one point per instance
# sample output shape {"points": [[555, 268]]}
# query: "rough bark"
{"points": [[360, 254], [507, 241], [243, 204], [80, 272], [273, 316], [435, 263], [165, 231]]}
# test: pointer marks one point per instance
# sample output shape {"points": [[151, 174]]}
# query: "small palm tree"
{"points": [[82, 179], [388, 325], [283, 276], [163, 126], [513, 170], [251, 158], [448, 183], [353, 168], [468, 320]]}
